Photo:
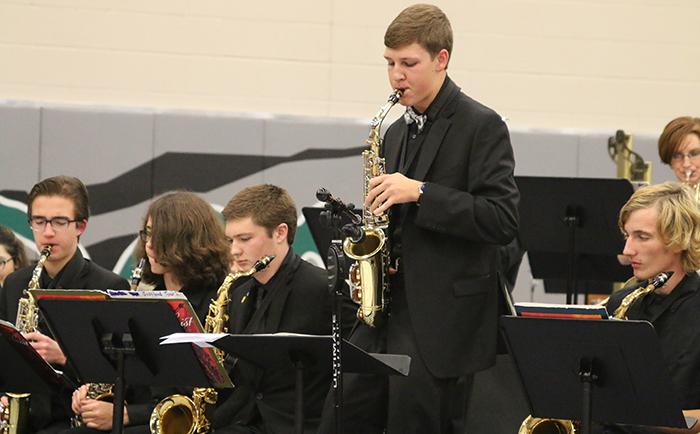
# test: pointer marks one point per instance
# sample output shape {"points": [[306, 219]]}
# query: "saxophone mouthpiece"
{"points": [[263, 263], [661, 279], [688, 173], [46, 251]]}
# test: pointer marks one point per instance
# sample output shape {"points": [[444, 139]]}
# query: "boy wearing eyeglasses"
{"points": [[58, 215]]}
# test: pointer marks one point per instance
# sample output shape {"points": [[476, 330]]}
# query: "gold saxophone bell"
{"points": [[179, 415], [536, 425]]}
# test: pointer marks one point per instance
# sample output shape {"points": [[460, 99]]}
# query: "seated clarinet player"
{"points": [[58, 213], [183, 239], [290, 295], [661, 224]]}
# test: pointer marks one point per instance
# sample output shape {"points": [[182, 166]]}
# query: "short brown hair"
{"points": [[188, 237], [14, 247], [424, 24], [678, 218], [65, 186], [674, 133], [267, 205]]}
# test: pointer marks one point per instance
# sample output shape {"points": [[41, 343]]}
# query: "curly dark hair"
{"points": [[188, 237]]}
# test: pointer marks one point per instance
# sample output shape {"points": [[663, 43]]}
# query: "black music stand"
{"points": [[21, 368], [568, 227], [617, 366], [117, 341], [282, 350]]}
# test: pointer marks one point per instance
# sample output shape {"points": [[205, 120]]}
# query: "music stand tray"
{"points": [[628, 381]]}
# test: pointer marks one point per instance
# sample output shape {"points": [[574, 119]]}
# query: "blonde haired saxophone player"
{"points": [[661, 224]]}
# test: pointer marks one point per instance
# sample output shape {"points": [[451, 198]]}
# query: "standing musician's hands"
{"points": [[47, 348], [78, 395], [388, 190], [4, 401], [98, 414]]}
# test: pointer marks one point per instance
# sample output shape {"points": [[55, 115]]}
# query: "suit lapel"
{"points": [[244, 308], [268, 316], [430, 148]]}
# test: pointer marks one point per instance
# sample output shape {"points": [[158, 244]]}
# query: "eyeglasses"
{"points": [[38, 223], [680, 156], [145, 235], [3, 262]]}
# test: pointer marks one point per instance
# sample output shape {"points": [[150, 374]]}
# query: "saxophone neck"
{"points": [[137, 274], [657, 282], [36, 273], [376, 123]]}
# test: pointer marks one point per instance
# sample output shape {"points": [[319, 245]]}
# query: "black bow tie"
{"points": [[411, 116]]}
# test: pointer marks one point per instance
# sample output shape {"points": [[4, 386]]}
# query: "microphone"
{"points": [[337, 205], [354, 232]]}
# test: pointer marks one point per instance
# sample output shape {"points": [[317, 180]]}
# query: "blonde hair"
{"points": [[678, 220]]}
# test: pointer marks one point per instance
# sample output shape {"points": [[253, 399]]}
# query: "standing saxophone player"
{"points": [[450, 190], [661, 224], [183, 240], [58, 213]]}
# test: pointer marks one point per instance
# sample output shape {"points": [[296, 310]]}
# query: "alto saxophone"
{"points": [[369, 275], [180, 414], [14, 419], [105, 391], [536, 425]]}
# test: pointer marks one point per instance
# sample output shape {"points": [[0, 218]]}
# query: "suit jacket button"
{"points": [[259, 396]]}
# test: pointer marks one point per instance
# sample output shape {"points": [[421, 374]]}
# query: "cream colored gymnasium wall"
{"points": [[557, 64]]}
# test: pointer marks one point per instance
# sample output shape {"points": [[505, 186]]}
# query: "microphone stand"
{"points": [[337, 267]]}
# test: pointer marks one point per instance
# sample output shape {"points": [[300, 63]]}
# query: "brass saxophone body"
{"points": [[180, 414], [14, 419], [369, 275]]}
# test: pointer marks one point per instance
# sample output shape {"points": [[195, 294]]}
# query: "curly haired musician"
{"points": [[183, 239], [453, 201]]}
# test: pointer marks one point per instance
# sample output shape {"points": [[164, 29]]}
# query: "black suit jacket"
{"points": [[449, 240], [78, 273], [298, 301]]}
